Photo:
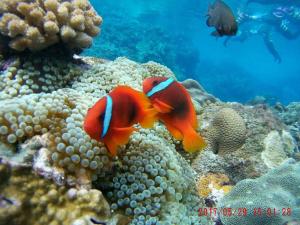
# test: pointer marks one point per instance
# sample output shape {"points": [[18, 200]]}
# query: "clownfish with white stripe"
{"points": [[112, 118], [176, 110]]}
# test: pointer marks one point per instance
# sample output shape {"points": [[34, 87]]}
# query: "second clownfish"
{"points": [[112, 118], [176, 110]]}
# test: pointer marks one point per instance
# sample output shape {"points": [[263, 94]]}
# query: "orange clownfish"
{"points": [[112, 118], [176, 110]]}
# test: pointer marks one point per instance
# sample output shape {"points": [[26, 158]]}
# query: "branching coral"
{"points": [[36, 25]]}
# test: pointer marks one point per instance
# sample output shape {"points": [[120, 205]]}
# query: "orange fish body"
{"points": [[176, 110], [112, 118]]}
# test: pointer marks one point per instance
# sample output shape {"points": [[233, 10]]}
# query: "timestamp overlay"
{"points": [[214, 212]]}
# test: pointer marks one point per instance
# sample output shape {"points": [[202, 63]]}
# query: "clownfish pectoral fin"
{"points": [[112, 147], [121, 134], [192, 141], [149, 118], [161, 106], [175, 132]]}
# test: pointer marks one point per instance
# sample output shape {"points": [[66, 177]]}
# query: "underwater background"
{"points": [[175, 35], [88, 136]]}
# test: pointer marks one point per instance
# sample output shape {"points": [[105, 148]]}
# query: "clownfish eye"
{"points": [[154, 83]]}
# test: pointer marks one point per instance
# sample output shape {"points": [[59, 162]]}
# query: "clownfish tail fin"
{"points": [[192, 141], [149, 117]]}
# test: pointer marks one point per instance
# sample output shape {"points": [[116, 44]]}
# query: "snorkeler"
{"points": [[285, 20]]}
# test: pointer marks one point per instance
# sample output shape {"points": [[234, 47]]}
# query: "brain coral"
{"points": [[227, 131], [278, 189], [36, 25]]}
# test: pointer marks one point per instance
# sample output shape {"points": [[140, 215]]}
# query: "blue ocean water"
{"points": [[175, 34]]}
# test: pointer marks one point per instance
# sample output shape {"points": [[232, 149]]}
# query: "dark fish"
{"points": [[221, 17], [94, 221]]}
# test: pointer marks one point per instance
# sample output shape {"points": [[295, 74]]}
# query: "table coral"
{"points": [[278, 189], [36, 25]]}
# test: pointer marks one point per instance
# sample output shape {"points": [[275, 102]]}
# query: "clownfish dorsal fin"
{"points": [[162, 107], [122, 134]]}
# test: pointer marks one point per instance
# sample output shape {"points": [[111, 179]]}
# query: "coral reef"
{"points": [[198, 93], [270, 199], [246, 161], [45, 131], [29, 74], [36, 25], [60, 115], [290, 115], [227, 131], [211, 182], [278, 147], [29, 199]]}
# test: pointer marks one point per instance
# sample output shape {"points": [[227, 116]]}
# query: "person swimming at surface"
{"points": [[284, 20]]}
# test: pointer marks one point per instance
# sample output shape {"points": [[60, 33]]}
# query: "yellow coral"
{"points": [[36, 25], [211, 181], [38, 201]]}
